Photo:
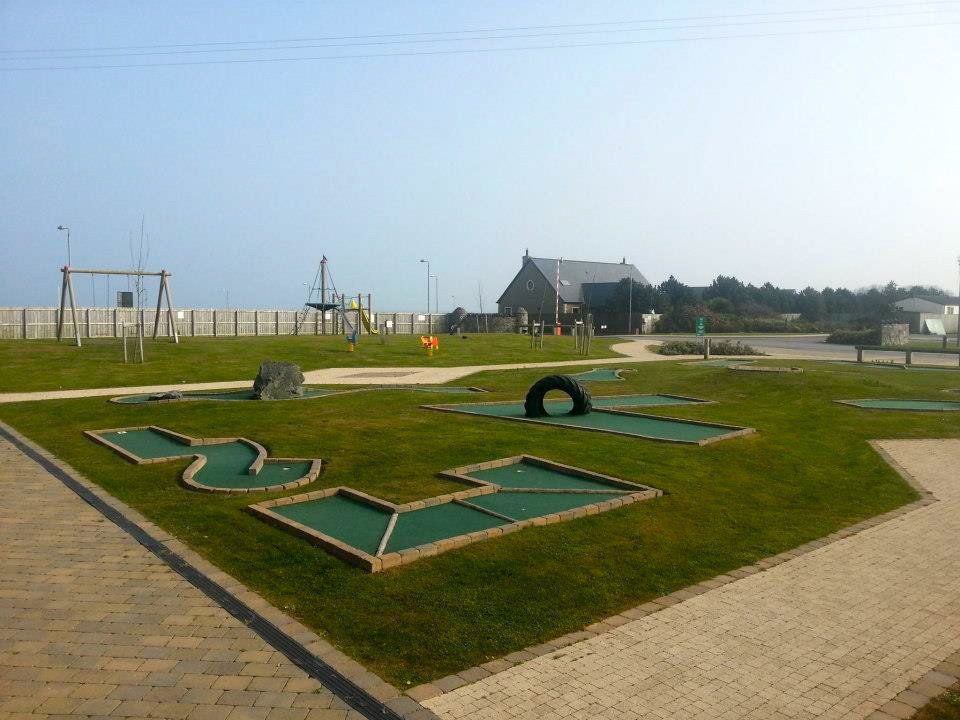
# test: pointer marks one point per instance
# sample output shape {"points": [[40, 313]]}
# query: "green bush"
{"points": [[695, 347], [854, 337]]}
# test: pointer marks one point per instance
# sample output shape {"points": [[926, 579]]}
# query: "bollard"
{"points": [[706, 348]]}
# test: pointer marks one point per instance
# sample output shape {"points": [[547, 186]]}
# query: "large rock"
{"points": [[278, 381]]}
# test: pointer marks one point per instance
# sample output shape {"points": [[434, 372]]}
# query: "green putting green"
{"points": [[646, 426], [229, 395], [599, 375], [529, 476], [375, 534], [451, 389], [718, 362], [527, 505], [427, 525], [923, 405], [227, 464], [352, 521]]}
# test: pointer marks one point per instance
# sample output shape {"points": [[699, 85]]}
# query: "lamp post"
{"points": [[436, 294], [429, 319], [64, 227]]}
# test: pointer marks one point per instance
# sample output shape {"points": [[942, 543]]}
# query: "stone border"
{"points": [[199, 460], [735, 430], [430, 690], [182, 559], [628, 492], [853, 403], [909, 701]]}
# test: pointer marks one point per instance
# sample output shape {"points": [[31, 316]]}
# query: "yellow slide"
{"points": [[365, 319]]}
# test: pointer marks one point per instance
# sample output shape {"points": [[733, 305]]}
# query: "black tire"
{"points": [[533, 405]]}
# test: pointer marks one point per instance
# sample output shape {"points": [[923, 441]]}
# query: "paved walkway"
{"points": [[835, 633], [94, 625]]}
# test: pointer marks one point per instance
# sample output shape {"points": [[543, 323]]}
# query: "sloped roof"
{"points": [[935, 299], [574, 274], [941, 299]]}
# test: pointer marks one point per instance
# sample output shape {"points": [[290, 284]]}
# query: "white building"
{"points": [[930, 313]]}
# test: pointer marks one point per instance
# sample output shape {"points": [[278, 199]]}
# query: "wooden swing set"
{"points": [[66, 293]]}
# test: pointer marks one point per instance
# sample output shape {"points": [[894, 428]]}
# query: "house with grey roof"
{"points": [[582, 285], [934, 314]]}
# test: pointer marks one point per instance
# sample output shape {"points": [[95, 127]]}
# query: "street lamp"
{"points": [[429, 319], [436, 294], [64, 227]]}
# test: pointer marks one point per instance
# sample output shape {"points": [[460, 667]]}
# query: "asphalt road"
{"points": [[811, 347]]}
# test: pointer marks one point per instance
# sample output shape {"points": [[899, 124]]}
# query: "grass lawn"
{"points": [[807, 472], [49, 365], [943, 707]]}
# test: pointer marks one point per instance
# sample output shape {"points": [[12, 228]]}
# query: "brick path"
{"points": [[836, 633], [94, 625]]}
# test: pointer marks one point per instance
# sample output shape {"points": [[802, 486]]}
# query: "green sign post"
{"points": [[701, 326]]}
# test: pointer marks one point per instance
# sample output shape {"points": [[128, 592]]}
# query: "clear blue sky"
{"points": [[804, 159]]}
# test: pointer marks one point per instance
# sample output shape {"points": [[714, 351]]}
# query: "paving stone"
{"points": [[834, 633], [154, 646]]}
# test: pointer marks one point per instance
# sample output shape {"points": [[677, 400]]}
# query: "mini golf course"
{"points": [[915, 405], [605, 418], [504, 496], [228, 395], [600, 375], [717, 362], [224, 465], [308, 393]]}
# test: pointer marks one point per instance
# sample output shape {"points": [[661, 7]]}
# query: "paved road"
{"points": [[835, 633], [811, 347]]}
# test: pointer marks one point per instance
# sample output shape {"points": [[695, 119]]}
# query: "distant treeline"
{"points": [[731, 306]]}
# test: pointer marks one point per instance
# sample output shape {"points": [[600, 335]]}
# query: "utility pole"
{"points": [[429, 319], [64, 227], [556, 309]]}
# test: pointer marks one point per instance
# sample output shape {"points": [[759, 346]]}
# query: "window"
{"points": [[508, 311], [531, 285]]}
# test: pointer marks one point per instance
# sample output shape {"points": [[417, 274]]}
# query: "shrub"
{"points": [[855, 337], [695, 347]]}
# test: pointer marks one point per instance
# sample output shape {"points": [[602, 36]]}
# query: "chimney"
{"points": [[623, 262], [526, 257]]}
